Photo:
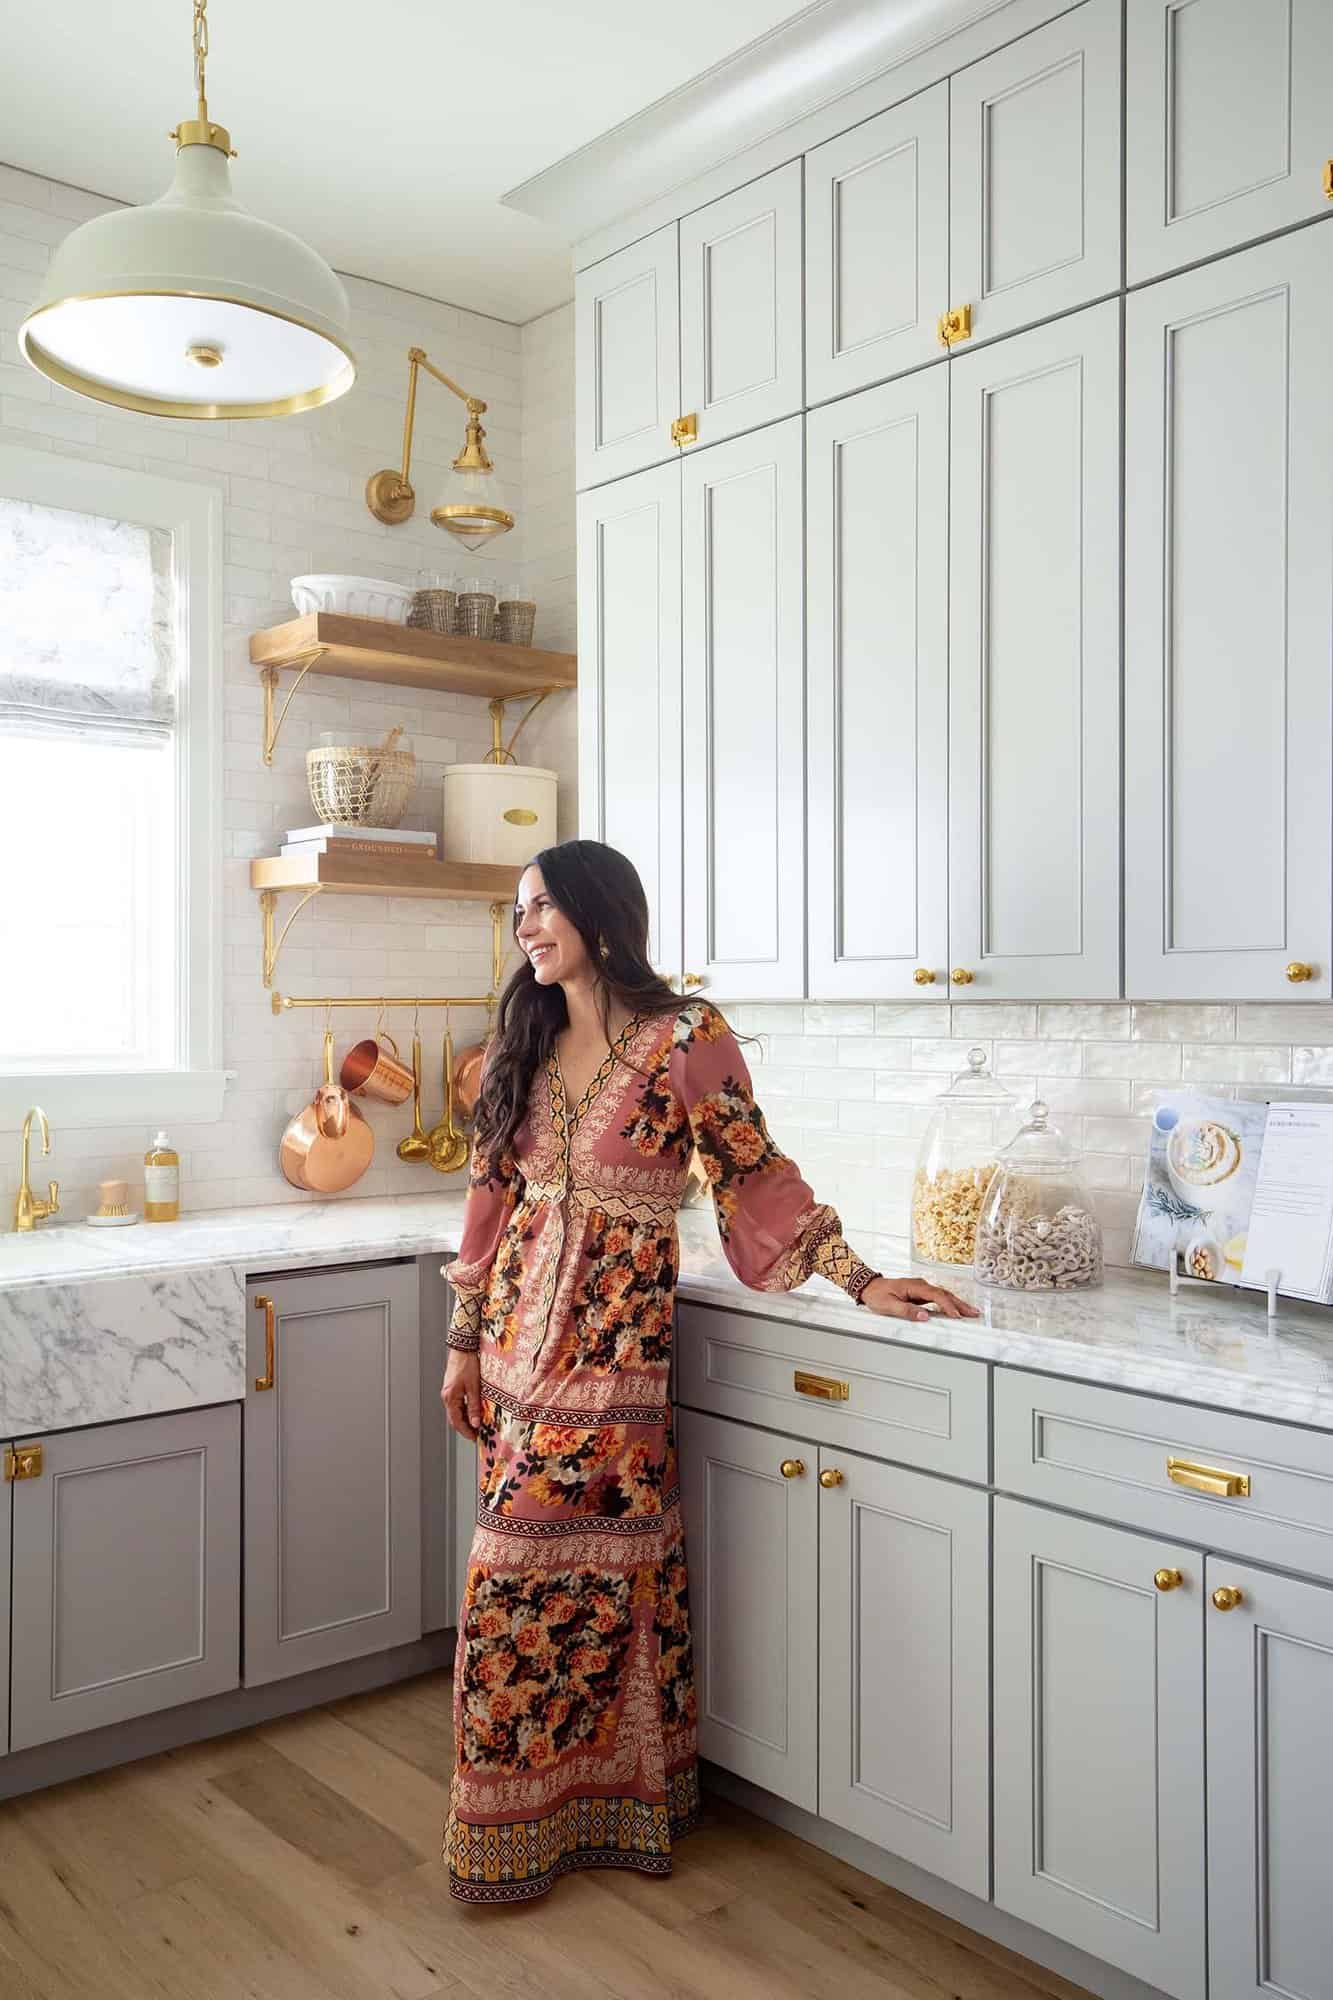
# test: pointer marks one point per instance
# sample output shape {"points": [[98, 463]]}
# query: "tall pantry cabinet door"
{"points": [[1034, 662], [1229, 627], [627, 366], [1270, 1778], [1034, 174], [752, 1551], [877, 247], [877, 578], [740, 307], [1227, 120], [744, 702], [1098, 1742], [332, 1470], [904, 1665], [629, 687]]}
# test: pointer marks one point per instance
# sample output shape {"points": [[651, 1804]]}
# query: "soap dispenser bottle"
{"points": [[161, 1181]]}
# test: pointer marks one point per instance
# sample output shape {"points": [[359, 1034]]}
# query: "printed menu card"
{"points": [[1291, 1217]]}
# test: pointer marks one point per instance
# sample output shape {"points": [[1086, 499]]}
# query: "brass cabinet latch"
{"points": [[826, 1387], [1328, 179], [23, 1463], [685, 430], [1214, 1479], [954, 325]]}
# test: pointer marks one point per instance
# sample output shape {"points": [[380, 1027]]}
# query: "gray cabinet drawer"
{"points": [[901, 1403], [1107, 1452]]}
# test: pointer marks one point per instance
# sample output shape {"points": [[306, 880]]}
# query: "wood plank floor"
{"points": [[301, 1861]]}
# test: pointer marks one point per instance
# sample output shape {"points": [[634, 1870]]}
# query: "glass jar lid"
{"points": [[1039, 1147], [975, 1085]]}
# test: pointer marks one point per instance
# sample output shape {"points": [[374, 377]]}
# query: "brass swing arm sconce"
{"points": [[390, 495]]}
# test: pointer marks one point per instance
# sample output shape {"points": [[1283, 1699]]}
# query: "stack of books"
{"points": [[382, 840]]}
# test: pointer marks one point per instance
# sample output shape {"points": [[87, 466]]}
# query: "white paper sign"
{"points": [[1291, 1223]]}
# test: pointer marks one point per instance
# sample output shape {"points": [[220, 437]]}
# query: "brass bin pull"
{"points": [[823, 1386], [1208, 1479], [266, 1306]]}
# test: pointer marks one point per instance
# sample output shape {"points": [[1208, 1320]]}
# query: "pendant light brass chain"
{"points": [[201, 55]]}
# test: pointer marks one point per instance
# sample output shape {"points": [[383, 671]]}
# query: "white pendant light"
{"points": [[190, 307]]}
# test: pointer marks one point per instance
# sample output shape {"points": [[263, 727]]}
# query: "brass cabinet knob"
{"points": [[1226, 1597], [1328, 179], [956, 324], [1168, 1579], [961, 976], [1298, 972], [792, 1468], [830, 1478], [691, 979], [685, 430], [923, 976]]}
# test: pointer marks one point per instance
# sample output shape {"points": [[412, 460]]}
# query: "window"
{"points": [[109, 589]]}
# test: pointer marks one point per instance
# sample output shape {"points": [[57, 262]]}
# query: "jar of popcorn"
{"points": [[959, 1148], [1037, 1231]]}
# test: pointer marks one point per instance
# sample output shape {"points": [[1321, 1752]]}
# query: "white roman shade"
{"points": [[105, 664]]}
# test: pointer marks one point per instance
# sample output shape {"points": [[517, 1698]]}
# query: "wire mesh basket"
{"points": [[433, 610], [358, 784], [514, 621]]}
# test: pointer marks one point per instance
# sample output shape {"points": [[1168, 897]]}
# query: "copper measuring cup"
{"points": [[374, 1068]]}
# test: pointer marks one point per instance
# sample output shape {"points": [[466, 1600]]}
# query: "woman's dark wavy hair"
{"points": [[598, 889]]}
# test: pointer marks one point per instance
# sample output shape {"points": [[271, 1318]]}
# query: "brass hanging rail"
{"points": [[282, 1003]]}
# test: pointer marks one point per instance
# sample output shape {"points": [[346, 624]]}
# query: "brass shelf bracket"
{"points": [[501, 752], [282, 1003], [270, 677]]}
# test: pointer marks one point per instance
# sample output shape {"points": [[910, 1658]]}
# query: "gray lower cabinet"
{"points": [[125, 1587], [1270, 1779], [750, 1501], [904, 1664], [332, 1469], [1098, 1750]]}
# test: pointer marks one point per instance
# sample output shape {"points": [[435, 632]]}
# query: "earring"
{"points": [[605, 950]]}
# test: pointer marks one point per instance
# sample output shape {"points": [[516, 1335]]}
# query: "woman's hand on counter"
{"points": [[460, 1392], [907, 1298]]}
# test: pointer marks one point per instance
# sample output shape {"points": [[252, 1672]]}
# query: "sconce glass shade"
{"points": [[473, 510], [191, 307]]}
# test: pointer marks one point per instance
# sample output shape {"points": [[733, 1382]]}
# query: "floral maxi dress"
{"points": [[574, 1713]]}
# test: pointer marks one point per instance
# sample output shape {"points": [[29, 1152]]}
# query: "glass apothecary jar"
{"points": [[1037, 1231], [956, 1162]]}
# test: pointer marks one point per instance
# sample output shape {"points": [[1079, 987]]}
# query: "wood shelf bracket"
{"points": [[269, 676]]}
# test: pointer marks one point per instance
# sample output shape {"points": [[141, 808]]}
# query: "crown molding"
{"points": [[734, 119]]}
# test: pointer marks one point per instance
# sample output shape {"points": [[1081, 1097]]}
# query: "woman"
{"points": [[573, 1693]]}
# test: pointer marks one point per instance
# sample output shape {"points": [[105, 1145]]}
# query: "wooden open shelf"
{"points": [[397, 875], [376, 649]]}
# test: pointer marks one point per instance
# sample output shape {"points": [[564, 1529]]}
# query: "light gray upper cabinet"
{"points": [[1228, 128], [877, 581], [743, 715], [752, 1545], [1034, 173], [904, 1681], [1229, 627], [1098, 1742], [877, 247], [1034, 662], [126, 1572], [332, 1469], [629, 687], [740, 307], [627, 359], [1270, 1778]]}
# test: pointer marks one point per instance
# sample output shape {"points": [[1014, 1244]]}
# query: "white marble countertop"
{"points": [[1213, 1348]]}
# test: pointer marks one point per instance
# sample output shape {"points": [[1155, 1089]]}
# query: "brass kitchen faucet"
{"points": [[29, 1210]]}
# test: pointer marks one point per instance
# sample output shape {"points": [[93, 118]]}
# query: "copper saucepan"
{"points": [[467, 1079], [329, 1144]]}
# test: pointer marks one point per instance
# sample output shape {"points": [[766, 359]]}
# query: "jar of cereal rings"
{"points": [[1037, 1231], [956, 1162]]}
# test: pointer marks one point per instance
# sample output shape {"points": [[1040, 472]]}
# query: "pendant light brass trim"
{"points": [[489, 520], [149, 406]]}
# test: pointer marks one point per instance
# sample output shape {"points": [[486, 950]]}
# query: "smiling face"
{"points": [[552, 943]]}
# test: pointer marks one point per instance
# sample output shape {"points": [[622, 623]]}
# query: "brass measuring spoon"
{"points": [[415, 1146]]}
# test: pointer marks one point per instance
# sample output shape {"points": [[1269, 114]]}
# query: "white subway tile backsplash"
{"points": [[911, 1018], [1159, 1023], [1302, 1021], [1237, 1062], [1027, 1058], [1160, 1060], [1084, 1021], [988, 1018]]}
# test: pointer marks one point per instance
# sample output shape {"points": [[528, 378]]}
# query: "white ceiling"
{"points": [[382, 134]]}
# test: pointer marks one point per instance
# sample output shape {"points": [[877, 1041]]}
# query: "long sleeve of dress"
{"points": [[492, 1192], [774, 1233]]}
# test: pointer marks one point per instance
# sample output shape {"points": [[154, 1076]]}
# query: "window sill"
{"points": [[152, 1097]]}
